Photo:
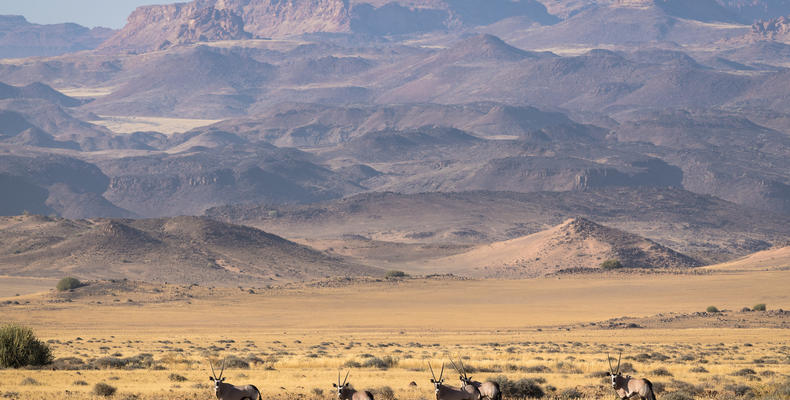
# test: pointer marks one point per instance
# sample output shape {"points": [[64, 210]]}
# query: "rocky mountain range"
{"points": [[294, 116], [20, 38]]}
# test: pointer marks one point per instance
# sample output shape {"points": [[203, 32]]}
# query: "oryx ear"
{"points": [[222, 379], [432, 381], [334, 385]]}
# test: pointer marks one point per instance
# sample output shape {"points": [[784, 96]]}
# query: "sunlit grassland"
{"points": [[297, 339]]}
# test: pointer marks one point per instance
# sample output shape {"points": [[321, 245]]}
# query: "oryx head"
{"points": [[437, 382], [217, 380], [341, 387], [465, 379], [614, 373]]}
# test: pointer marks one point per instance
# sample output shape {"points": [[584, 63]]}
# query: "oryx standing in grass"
{"points": [[226, 391], [444, 392], [626, 386], [346, 392], [488, 390]]}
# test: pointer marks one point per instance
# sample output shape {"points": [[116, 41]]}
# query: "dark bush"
{"points": [[383, 363], [68, 363], [611, 264], [384, 393], [29, 381], [351, 364], [627, 368], [80, 383], [396, 274], [19, 348], [176, 378], [679, 395], [520, 389], [759, 307], [740, 390], [712, 309], [536, 369], [109, 362], [661, 372], [699, 369], [570, 394], [236, 363], [744, 372], [103, 389], [68, 283]]}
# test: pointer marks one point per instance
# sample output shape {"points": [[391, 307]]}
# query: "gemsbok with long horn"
{"points": [[488, 390], [626, 386], [346, 392], [226, 391], [444, 392]]}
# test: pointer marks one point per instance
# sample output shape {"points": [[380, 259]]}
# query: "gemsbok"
{"points": [[488, 390], [346, 392], [444, 392], [626, 386], [226, 391]]}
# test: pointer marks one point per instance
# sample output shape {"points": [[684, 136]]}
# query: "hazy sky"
{"points": [[108, 13]]}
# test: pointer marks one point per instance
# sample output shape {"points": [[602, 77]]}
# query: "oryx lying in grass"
{"points": [[488, 390], [444, 392], [346, 392], [226, 391], [626, 386]]}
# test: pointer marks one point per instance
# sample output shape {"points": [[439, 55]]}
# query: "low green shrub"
{"points": [[68, 283], [19, 347]]}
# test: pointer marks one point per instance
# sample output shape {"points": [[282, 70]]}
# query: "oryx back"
{"points": [[489, 390]]}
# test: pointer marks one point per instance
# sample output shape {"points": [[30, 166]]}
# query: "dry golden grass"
{"points": [[298, 338]]}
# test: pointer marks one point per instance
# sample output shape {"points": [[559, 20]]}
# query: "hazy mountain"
{"points": [[55, 184], [19, 38], [183, 250], [703, 226]]}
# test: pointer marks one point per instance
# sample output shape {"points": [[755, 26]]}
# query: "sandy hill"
{"points": [[775, 258], [576, 243], [181, 250]]}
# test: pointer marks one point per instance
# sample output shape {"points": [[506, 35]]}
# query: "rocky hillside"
{"points": [[772, 29], [160, 26], [181, 250]]}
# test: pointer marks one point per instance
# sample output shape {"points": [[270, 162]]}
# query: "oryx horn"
{"points": [[455, 366], [618, 361], [214, 374], [611, 371], [346, 378], [429, 366], [462, 367]]}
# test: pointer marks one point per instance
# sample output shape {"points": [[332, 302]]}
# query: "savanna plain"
{"points": [[546, 337]]}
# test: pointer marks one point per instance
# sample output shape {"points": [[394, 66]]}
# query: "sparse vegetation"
{"points": [[103, 389], [395, 274], [68, 283], [611, 264], [759, 307], [19, 347], [712, 309]]}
